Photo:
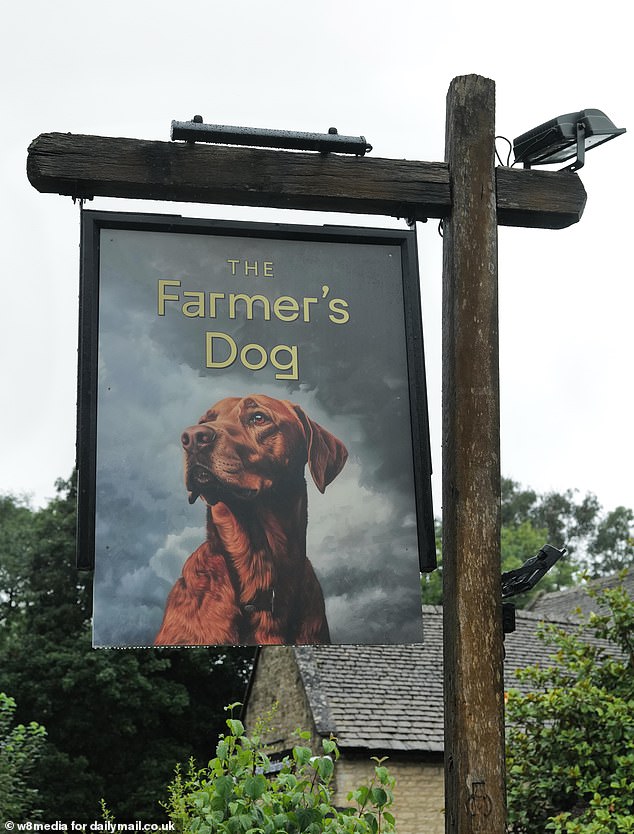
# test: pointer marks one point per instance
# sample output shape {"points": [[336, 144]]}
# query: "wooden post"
{"points": [[473, 653]]}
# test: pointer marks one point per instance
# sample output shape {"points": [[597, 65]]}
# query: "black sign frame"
{"points": [[95, 223]]}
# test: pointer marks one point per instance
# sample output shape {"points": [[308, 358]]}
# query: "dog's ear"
{"points": [[326, 453]]}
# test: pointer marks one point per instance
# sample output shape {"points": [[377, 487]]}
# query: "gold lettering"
{"points": [[286, 308], [191, 309], [164, 296], [221, 351], [253, 366], [292, 365], [249, 301], [213, 297], [338, 311], [307, 303], [209, 351]]}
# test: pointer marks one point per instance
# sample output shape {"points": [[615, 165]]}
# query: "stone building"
{"points": [[377, 701]]}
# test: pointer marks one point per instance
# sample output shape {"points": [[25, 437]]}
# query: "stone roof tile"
{"points": [[391, 697], [577, 602]]}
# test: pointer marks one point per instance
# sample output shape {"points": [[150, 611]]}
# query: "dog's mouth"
{"points": [[201, 481]]}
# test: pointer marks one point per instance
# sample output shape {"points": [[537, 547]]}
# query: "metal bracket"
{"points": [[524, 578], [581, 149], [508, 617], [528, 575]]}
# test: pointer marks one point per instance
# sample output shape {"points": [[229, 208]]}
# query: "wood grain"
{"points": [[472, 606], [98, 166]]}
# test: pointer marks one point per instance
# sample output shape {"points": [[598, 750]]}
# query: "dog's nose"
{"points": [[197, 437]]}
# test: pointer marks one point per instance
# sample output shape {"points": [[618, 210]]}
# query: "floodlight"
{"points": [[564, 138]]}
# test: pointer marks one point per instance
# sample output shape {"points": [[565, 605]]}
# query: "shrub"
{"points": [[237, 793], [570, 741], [20, 746]]}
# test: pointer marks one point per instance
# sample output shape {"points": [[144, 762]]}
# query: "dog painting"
{"points": [[251, 581]]}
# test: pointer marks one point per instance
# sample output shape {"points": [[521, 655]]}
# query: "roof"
{"points": [[391, 697], [577, 602]]}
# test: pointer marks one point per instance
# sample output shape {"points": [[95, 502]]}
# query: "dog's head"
{"points": [[245, 446]]}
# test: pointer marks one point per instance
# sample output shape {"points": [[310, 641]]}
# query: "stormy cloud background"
{"points": [[362, 535]]}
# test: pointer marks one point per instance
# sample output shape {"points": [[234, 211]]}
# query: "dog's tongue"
{"points": [[194, 494], [197, 479]]}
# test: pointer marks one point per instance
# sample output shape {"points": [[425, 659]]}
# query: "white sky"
{"points": [[376, 68]]}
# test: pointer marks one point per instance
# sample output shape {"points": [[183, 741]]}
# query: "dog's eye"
{"points": [[258, 419]]}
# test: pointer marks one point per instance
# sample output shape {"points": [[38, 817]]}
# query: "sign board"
{"points": [[253, 446]]}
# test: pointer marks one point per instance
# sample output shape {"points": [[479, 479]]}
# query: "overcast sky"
{"points": [[380, 69]]}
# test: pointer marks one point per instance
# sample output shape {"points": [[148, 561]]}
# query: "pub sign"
{"points": [[253, 445]]}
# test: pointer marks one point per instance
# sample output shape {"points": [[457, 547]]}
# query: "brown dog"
{"points": [[251, 581]]}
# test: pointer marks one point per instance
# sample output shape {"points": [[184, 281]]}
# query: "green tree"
{"points": [[612, 546], [570, 739], [20, 747], [567, 520], [17, 544], [595, 543], [117, 721], [518, 543]]}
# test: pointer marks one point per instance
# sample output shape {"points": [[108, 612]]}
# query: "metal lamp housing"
{"points": [[565, 137]]}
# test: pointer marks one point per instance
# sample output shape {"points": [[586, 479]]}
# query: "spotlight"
{"points": [[565, 137]]}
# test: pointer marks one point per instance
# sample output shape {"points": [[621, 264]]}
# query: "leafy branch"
{"points": [[238, 792]]}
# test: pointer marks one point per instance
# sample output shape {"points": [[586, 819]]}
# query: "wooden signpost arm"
{"points": [[98, 166]]}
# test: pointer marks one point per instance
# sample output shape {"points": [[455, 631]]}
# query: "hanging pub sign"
{"points": [[253, 445]]}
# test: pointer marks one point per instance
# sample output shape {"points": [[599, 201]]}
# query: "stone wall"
{"points": [[418, 793], [277, 686]]}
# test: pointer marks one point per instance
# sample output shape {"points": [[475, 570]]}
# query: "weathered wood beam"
{"points": [[538, 199], [472, 593], [98, 166]]}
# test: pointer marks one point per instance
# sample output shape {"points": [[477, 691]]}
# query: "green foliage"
{"points": [[116, 720], [238, 794], [17, 545], [431, 583], [596, 543], [570, 740], [20, 747], [612, 547]]}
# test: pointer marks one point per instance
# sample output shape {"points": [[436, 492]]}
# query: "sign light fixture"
{"points": [[565, 137], [198, 131]]}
